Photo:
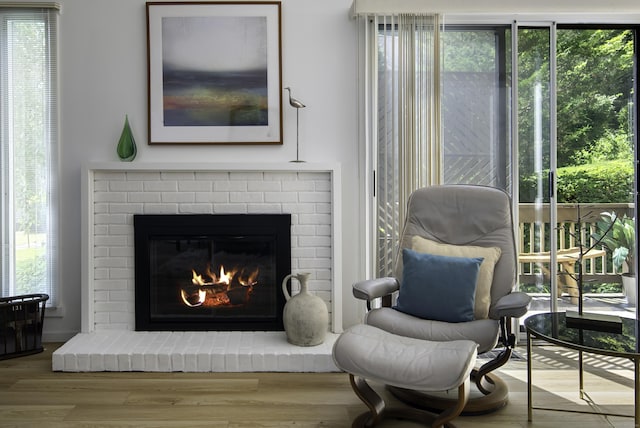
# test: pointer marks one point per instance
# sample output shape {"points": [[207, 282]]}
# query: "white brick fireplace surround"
{"points": [[114, 192]]}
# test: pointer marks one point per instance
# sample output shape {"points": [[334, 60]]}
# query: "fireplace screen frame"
{"points": [[148, 227]]}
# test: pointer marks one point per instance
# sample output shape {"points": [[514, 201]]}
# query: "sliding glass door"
{"points": [[547, 113], [576, 139]]}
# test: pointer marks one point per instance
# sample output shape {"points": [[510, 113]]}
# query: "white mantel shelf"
{"points": [[215, 166]]}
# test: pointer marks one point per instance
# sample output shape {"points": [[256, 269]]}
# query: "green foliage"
{"points": [[589, 287], [604, 182], [31, 273], [595, 90], [618, 234]]}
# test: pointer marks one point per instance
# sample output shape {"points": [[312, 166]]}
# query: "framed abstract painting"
{"points": [[214, 72]]}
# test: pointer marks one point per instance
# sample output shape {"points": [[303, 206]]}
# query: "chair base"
{"points": [[495, 399], [378, 410]]}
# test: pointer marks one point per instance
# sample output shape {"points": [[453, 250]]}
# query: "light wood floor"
{"points": [[31, 395]]}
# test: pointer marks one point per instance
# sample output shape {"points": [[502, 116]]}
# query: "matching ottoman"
{"points": [[367, 352]]}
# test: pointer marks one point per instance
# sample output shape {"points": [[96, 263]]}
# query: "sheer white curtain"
{"points": [[402, 117]]}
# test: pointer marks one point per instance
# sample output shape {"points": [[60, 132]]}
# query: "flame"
{"points": [[213, 290], [201, 296]]}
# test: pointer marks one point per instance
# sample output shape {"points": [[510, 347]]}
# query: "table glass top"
{"points": [[552, 326]]}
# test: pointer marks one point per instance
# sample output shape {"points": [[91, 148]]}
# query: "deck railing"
{"points": [[535, 230]]}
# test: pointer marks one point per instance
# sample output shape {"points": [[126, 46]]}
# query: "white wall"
{"points": [[103, 77], [103, 62]]}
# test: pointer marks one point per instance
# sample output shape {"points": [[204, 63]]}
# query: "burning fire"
{"points": [[228, 288]]}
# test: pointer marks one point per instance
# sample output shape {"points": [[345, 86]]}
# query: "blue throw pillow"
{"points": [[438, 288]]}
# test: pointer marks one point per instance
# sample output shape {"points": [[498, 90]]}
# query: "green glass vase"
{"points": [[127, 145]]}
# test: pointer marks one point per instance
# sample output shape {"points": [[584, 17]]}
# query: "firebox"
{"points": [[211, 272]]}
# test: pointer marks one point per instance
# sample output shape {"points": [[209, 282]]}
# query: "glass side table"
{"points": [[551, 327]]}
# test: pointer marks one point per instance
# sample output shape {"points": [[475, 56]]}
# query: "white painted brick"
{"points": [[195, 208], [264, 209], [230, 186], [121, 252], [323, 208], [101, 317], [301, 230], [316, 176], [298, 186], [195, 186], [314, 241], [110, 219], [109, 262], [317, 219], [109, 197], [251, 190], [176, 176], [110, 241], [323, 186], [143, 176], [280, 197], [125, 186], [126, 208], [101, 208], [303, 252], [299, 208], [219, 197], [264, 186], [182, 197], [100, 230], [101, 296], [314, 197], [99, 274], [120, 229], [121, 296], [100, 186], [323, 230], [160, 186], [144, 197], [230, 209], [235, 197], [110, 284], [101, 252], [160, 209], [108, 306], [109, 176], [117, 273]]}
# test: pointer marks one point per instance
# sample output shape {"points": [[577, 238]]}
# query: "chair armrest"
{"points": [[373, 288], [513, 305]]}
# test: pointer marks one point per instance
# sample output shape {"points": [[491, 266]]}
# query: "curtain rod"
{"points": [[30, 5], [493, 7]]}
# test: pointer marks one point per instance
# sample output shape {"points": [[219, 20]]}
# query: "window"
{"points": [[28, 155]]}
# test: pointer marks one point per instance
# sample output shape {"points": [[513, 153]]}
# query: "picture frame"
{"points": [[214, 72]]}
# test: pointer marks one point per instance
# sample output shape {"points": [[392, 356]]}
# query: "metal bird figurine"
{"points": [[294, 103], [297, 105]]}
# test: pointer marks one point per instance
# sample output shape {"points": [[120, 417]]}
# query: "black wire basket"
{"points": [[21, 319]]}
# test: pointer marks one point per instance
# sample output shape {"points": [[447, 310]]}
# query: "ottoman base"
{"points": [[379, 411]]}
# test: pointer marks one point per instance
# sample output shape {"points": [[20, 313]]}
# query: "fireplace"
{"points": [[211, 272]]}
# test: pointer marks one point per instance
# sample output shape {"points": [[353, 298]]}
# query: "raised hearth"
{"points": [[191, 351]]}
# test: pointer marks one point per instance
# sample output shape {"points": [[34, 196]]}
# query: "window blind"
{"points": [[403, 117], [29, 143]]}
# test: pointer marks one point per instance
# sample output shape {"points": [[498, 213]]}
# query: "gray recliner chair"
{"points": [[462, 221]]}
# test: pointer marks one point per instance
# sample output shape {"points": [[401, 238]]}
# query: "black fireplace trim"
{"points": [[146, 225]]}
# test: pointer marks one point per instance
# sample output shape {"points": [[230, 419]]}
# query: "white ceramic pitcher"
{"points": [[305, 316]]}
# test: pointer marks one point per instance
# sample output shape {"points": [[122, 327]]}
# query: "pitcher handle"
{"points": [[287, 296]]}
